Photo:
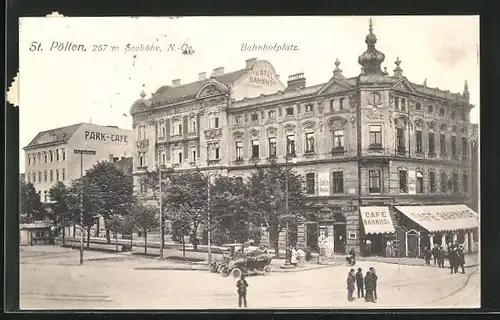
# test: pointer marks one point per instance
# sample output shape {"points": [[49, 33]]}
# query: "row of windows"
{"points": [[400, 104], [447, 183], [177, 156], [47, 176], [177, 127], [289, 111], [376, 141], [46, 156], [375, 182]]}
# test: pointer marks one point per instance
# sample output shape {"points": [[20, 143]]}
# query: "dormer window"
{"points": [[418, 106], [309, 108], [289, 111], [254, 117]]}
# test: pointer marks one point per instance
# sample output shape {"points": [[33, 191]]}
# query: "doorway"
{"points": [[340, 235], [312, 236]]}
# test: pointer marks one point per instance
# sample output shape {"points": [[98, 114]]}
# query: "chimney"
{"points": [[202, 76], [111, 157], [249, 63], [296, 81], [218, 71], [176, 82]]}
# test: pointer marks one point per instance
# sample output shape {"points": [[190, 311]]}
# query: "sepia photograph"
{"points": [[249, 162]]}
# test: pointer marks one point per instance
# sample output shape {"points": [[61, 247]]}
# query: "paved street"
{"points": [[52, 279]]}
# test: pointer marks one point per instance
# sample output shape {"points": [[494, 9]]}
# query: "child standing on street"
{"points": [[242, 291]]}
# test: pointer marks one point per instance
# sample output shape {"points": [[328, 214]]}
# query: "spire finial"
{"points": [[337, 73], [385, 71], [466, 93], [425, 82], [398, 72], [371, 59], [143, 93]]}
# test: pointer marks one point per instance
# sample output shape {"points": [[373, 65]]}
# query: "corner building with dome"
{"points": [[386, 161]]}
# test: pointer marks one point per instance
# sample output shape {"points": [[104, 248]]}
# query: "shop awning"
{"points": [[376, 220], [442, 218]]}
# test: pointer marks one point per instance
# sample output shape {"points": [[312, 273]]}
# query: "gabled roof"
{"points": [[168, 94], [59, 135]]}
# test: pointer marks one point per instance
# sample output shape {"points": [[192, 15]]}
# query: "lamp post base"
{"points": [[287, 266]]}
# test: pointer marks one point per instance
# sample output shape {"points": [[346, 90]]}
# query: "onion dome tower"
{"points": [[371, 59]]}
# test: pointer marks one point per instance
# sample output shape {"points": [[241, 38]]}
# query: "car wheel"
{"points": [[224, 271], [213, 267], [267, 270], [236, 273]]}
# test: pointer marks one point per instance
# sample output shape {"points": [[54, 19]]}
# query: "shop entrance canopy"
{"points": [[376, 220], [442, 218]]}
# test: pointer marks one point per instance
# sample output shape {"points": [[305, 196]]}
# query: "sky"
{"points": [[60, 88]]}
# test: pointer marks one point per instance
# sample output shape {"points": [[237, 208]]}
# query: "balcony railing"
{"points": [[431, 154], [401, 151], [338, 152], [375, 146]]}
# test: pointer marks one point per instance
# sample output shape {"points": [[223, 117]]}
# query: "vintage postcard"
{"points": [[306, 162]]}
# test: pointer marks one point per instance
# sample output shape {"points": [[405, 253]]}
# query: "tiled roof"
{"points": [[439, 93], [168, 94], [59, 135]]}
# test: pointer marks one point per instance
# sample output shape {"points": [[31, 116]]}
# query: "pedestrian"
{"points": [[369, 287], [461, 259], [435, 253], [427, 255], [359, 283], [441, 257], [242, 286], [452, 258], [374, 280], [353, 256], [293, 259], [350, 285], [388, 248]]}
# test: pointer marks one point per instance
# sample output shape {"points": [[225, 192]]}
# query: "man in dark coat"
{"points": [[242, 291], [374, 279], [350, 285], [369, 287], [435, 253], [359, 283], [427, 255], [460, 259], [452, 257], [441, 256]]}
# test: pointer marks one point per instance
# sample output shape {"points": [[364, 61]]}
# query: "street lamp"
{"points": [[161, 213], [81, 153], [288, 256], [209, 240]]}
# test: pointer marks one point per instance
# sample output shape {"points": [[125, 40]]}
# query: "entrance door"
{"points": [[340, 237], [412, 243], [312, 236]]}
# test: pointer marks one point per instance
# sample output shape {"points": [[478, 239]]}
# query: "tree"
{"points": [[59, 205], [114, 192], [230, 211], [267, 198], [116, 225], [81, 199], [30, 205], [144, 218], [181, 227], [186, 199]]}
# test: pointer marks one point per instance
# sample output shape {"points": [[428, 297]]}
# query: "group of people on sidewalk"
{"points": [[454, 254], [366, 286]]}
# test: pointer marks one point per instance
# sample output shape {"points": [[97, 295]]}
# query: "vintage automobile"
{"points": [[243, 261]]}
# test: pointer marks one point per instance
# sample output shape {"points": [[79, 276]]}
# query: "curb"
{"points": [[416, 265], [177, 268]]}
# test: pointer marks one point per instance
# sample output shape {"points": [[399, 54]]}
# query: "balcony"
{"points": [[419, 153], [375, 147], [431, 154], [142, 144], [338, 152], [401, 151]]}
